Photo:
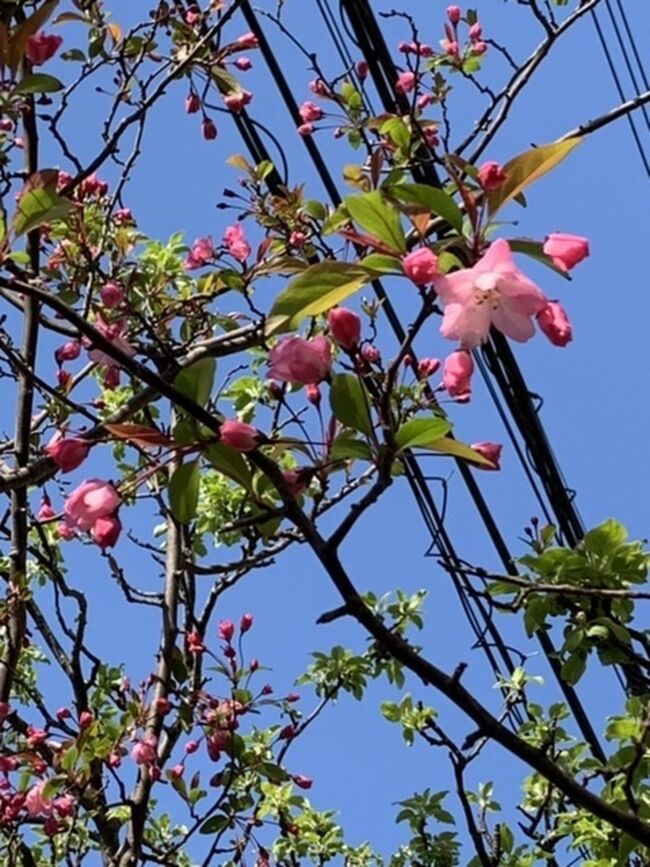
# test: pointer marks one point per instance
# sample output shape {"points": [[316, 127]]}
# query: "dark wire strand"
{"points": [[620, 91], [633, 45], [626, 59]]}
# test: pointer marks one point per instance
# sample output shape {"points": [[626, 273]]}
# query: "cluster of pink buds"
{"points": [[450, 44]]}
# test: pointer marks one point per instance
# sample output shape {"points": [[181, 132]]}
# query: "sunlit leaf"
{"points": [[349, 402], [378, 218], [184, 491], [421, 432], [431, 199], [27, 28], [38, 82], [196, 381], [39, 203], [138, 434]]}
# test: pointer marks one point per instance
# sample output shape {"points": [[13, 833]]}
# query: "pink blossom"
{"points": [[64, 805], [554, 323], [310, 112], [491, 175], [453, 13], [67, 452], [243, 64], [111, 295], [86, 719], [208, 129], [490, 451], [90, 501], [302, 782], [35, 803], [67, 352], [475, 32], [111, 378], [123, 216], [345, 327], [237, 245], [191, 747], [566, 250], [406, 82], [92, 186], [237, 101], [163, 706], [479, 47], [217, 743], [176, 772], [65, 532], [421, 266], [106, 531], [192, 103], [361, 67], [201, 251], [493, 292], [297, 239], [247, 40], [456, 375], [294, 359], [63, 713], [40, 47], [430, 134], [370, 353], [193, 643], [305, 129], [144, 751], [297, 481], [312, 393], [424, 100], [239, 436], [6, 124]]}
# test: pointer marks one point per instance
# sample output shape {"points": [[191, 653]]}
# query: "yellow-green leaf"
{"points": [[349, 402], [525, 168], [435, 201], [421, 432], [39, 203], [317, 289], [456, 449], [184, 491]]}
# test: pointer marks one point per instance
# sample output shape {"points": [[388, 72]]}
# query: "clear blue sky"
{"points": [[595, 409]]}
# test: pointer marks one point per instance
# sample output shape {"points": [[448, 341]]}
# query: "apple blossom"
{"points": [[237, 245], [40, 47], [554, 323], [490, 451], [491, 176], [67, 452], [566, 250], [238, 435], [345, 327], [406, 82], [90, 501], [456, 375], [492, 292], [420, 266]]}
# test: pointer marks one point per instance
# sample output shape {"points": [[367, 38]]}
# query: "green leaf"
{"points": [[436, 201], [39, 203], [456, 449], [378, 218], [184, 491], [525, 168], [214, 825], [421, 432], [346, 446], [573, 669], [38, 82], [349, 402], [317, 289], [196, 381], [397, 131], [382, 264], [225, 81], [230, 463]]}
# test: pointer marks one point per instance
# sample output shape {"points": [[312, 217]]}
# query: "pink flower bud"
{"points": [[85, 719], [144, 751], [302, 782], [554, 323], [305, 129], [310, 112], [106, 531], [475, 32], [318, 87], [62, 713], [6, 124], [456, 375], [239, 436], [427, 367], [237, 245], [176, 772], [50, 826], [406, 82], [479, 47], [294, 359], [287, 733], [253, 665], [362, 69], [63, 378], [68, 352], [312, 393], [297, 481], [370, 353], [453, 13], [8, 764], [123, 216], [491, 175], [566, 250], [237, 101], [90, 501], [292, 698], [225, 630], [450, 47], [114, 760], [111, 295], [267, 689], [64, 805], [65, 532], [208, 129], [247, 40], [243, 64], [430, 134], [297, 239], [111, 378], [345, 327], [490, 451], [245, 623], [5, 710], [201, 251], [193, 643], [191, 747], [192, 103], [45, 510], [40, 47], [163, 706], [421, 266], [67, 452]]}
